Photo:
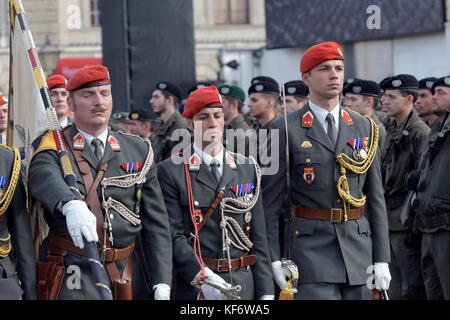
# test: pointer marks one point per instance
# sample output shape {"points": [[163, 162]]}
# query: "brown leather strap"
{"points": [[90, 184], [212, 208], [61, 243], [333, 215], [222, 265]]}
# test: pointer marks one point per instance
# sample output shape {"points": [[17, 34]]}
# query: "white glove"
{"points": [[382, 275], [280, 274], [211, 293], [162, 291], [267, 297], [80, 222]]}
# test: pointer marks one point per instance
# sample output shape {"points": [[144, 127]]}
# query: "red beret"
{"points": [[201, 98], [56, 81], [319, 53], [89, 76], [3, 99]]}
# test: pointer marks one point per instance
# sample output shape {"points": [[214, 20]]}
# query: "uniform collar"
{"points": [[88, 137], [207, 158], [321, 114]]}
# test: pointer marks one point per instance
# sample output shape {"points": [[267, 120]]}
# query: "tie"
{"points": [[214, 166], [97, 144], [331, 129], [1, 139]]}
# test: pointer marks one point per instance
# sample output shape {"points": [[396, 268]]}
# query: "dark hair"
{"points": [[376, 100], [232, 99], [166, 95], [412, 92]]}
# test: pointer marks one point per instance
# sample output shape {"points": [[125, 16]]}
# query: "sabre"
{"points": [[99, 274], [229, 291]]}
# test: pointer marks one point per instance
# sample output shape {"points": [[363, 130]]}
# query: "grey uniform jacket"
{"points": [[257, 280], [15, 223], [161, 139], [326, 251], [47, 186]]}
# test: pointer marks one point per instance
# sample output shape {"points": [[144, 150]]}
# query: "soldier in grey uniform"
{"points": [[296, 93], [406, 138], [114, 169], [432, 203], [424, 103], [215, 209], [338, 234], [363, 96], [164, 102], [238, 133], [15, 232]]}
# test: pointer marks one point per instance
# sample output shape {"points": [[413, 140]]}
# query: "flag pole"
{"points": [[99, 274]]}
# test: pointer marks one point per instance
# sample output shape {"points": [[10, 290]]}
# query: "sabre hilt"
{"points": [[228, 291]]}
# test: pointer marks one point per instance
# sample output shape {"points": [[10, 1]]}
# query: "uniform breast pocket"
{"points": [[312, 170], [202, 202]]}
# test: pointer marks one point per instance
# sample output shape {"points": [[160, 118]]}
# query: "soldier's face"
{"points": [[441, 100], [3, 117], [91, 107], [208, 126], [424, 103], [294, 103], [158, 102], [393, 103], [259, 105], [227, 109], [135, 127], [357, 103], [325, 80], [59, 100]]}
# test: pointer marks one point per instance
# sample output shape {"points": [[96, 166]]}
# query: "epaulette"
{"points": [[130, 134], [47, 143]]}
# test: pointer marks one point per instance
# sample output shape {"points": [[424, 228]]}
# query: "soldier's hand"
{"points": [[280, 274], [382, 275], [209, 292], [80, 222], [162, 291]]}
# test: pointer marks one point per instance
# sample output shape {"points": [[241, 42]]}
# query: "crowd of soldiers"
{"points": [[181, 203]]}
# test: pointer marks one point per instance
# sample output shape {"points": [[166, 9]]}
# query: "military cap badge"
{"points": [[356, 89], [291, 90], [429, 84], [396, 83], [162, 86], [447, 81], [225, 90]]}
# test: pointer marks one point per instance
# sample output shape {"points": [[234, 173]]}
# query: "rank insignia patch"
{"points": [[308, 175], [194, 162], [347, 117], [78, 142], [114, 143], [131, 167], [307, 120]]}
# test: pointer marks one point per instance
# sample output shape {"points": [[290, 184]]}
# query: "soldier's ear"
{"points": [[70, 102], [305, 78], [190, 124]]}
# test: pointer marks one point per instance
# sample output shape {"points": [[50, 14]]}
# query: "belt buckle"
{"points": [[336, 212], [219, 264]]}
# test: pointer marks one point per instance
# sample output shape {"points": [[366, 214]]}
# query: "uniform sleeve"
{"points": [[262, 270], [46, 181], [274, 189], [377, 215], [183, 254], [156, 231], [22, 242]]}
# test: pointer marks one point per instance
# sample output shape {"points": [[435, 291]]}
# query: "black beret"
{"points": [[142, 115], [401, 81], [350, 80], [169, 88], [199, 85], [382, 82], [364, 88], [427, 83], [264, 87], [441, 82], [263, 78], [296, 88]]}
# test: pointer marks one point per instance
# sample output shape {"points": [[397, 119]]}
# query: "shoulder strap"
{"points": [[91, 199]]}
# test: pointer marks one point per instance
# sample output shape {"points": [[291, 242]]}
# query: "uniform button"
{"points": [[296, 233], [111, 216], [308, 160], [338, 201], [196, 203]]}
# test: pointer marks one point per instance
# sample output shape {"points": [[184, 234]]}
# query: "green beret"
{"points": [[230, 90]]}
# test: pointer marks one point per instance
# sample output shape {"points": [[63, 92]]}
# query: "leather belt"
{"points": [[60, 244], [333, 215], [221, 265]]}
